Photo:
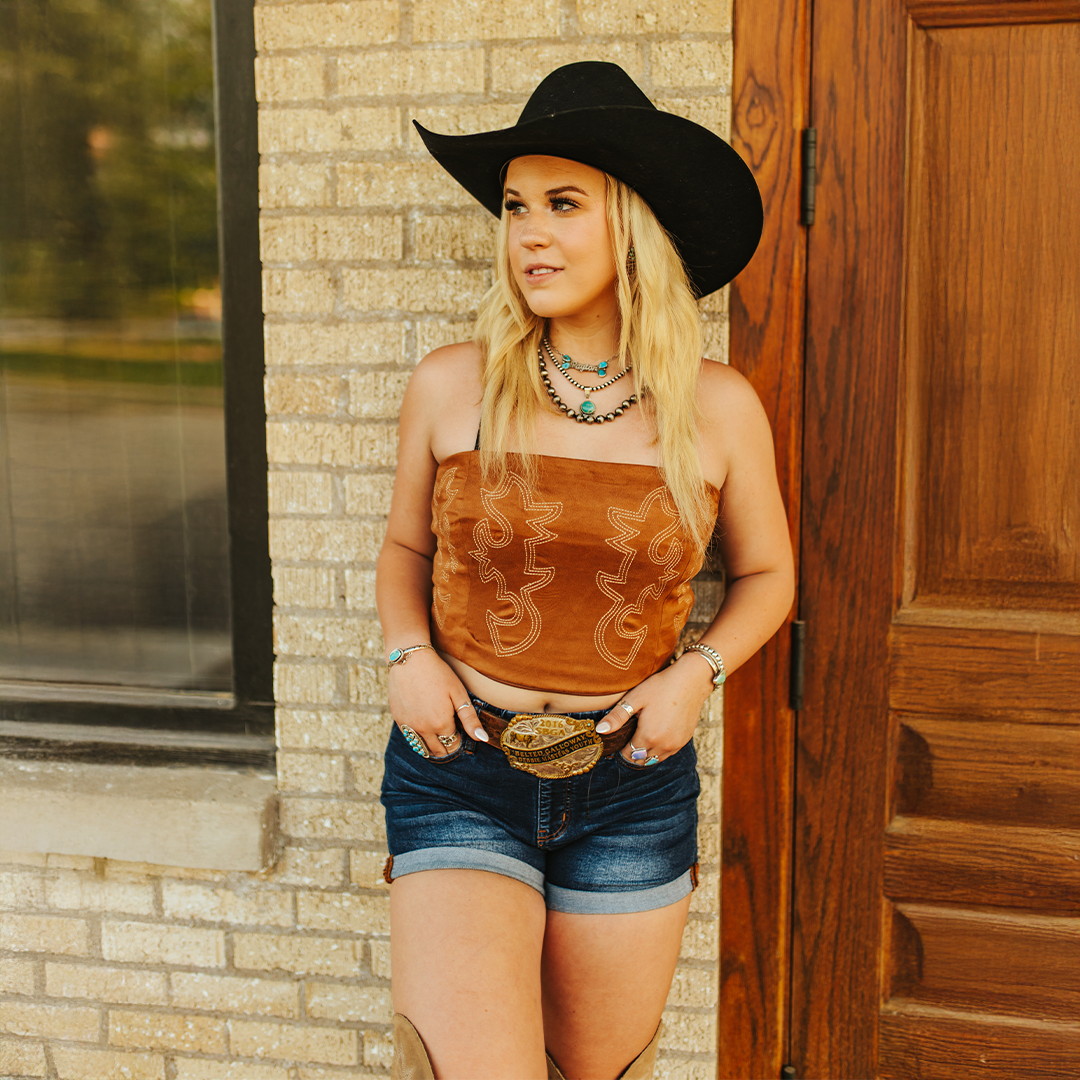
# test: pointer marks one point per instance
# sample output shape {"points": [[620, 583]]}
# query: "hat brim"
{"points": [[698, 187]]}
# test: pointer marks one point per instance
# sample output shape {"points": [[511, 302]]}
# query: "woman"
{"points": [[558, 481]]}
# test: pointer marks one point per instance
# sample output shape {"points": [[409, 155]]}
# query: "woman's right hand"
{"points": [[427, 697]]}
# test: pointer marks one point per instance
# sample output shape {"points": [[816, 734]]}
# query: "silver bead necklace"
{"points": [[587, 413]]}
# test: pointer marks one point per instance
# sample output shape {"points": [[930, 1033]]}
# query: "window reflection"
{"points": [[113, 531]]}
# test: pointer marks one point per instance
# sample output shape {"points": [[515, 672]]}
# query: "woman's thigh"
{"points": [[465, 950], [605, 979]]}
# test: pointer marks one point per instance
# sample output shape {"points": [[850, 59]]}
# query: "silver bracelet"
{"points": [[716, 661], [399, 656]]}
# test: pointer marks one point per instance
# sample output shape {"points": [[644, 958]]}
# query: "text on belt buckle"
{"points": [[551, 746]]}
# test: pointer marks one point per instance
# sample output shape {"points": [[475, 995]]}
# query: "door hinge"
{"points": [[787, 1072], [798, 663], [809, 176]]}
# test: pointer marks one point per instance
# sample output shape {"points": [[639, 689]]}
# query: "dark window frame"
{"points": [[134, 725]]}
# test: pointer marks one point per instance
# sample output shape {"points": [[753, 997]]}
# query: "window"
{"points": [[134, 572]]}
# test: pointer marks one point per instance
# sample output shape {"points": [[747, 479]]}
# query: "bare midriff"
{"points": [[519, 699]]}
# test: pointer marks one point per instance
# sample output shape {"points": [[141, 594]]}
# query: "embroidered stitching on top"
{"points": [[521, 601], [614, 618]]}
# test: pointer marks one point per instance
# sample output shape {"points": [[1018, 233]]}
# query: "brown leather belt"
{"points": [[495, 726]]}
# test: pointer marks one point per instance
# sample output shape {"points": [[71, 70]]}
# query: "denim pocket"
{"points": [[676, 759], [465, 746]]}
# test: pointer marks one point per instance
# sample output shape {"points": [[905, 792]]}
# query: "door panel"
{"points": [[936, 913]]}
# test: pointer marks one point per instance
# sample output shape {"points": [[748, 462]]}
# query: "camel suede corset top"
{"points": [[578, 583]]}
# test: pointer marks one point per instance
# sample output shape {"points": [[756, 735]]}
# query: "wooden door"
{"points": [[936, 861]]}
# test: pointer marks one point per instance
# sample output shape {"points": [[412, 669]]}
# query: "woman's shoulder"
{"points": [[724, 394], [448, 373]]}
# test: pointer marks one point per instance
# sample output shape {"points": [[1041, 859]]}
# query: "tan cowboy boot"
{"points": [[641, 1068], [411, 1061]]}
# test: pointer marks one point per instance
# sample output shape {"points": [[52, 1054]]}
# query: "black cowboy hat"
{"points": [[698, 187]]}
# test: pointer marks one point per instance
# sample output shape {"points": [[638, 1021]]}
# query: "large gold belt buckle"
{"points": [[551, 746]]}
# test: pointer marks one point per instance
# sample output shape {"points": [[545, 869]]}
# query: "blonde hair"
{"points": [[660, 332]]}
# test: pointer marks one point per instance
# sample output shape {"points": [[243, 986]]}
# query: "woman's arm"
{"points": [[427, 695], [756, 548]]}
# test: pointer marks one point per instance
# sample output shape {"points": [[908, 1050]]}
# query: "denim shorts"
{"points": [[619, 838]]}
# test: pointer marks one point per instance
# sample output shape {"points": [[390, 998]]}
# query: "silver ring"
{"points": [[448, 740], [638, 753], [627, 706], [464, 705]]}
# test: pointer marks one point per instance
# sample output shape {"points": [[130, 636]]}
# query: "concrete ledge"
{"points": [[201, 818]]}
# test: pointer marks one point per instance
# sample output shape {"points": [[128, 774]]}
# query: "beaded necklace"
{"points": [[587, 413], [567, 362]]}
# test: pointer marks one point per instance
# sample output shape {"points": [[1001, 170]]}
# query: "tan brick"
{"points": [[18, 1058], [22, 858], [368, 493], [433, 333], [292, 131], [305, 684], [708, 742], [310, 772], [201, 1069], [411, 72], [413, 290], [286, 239], [359, 594], [330, 819], [380, 958], [345, 912], [709, 802], [712, 111], [351, 239], [230, 994], [306, 587], [297, 954], [673, 1067], [695, 987], [290, 78], [297, 291], [705, 899], [253, 907], [297, 26], [76, 891], [716, 304], [126, 986], [43, 933], [709, 842], [397, 183], [349, 1004], [691, 63], [168, 1031], [436, 20], [455, 236], [292, 184], [367, 775], [303, 395], [311, 442], [693, 1032], [149, 943], [322, 868], [715, 340], [701, 940], [346, 344], [16, 977], [300, 493], [70, 862], [367, 685], [653, 16], [462, 119], [50, 1021], [515, 70], [366, 867], [20, 890], [119, 870], [378, 1050], [377, 394], [289, 1042], [326, 540], [327, 730], [72, 1064]]}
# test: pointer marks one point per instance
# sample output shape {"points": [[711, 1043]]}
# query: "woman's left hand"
{"points": [[667, 706]]}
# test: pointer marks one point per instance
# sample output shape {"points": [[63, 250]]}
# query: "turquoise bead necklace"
{"points": [[586, 413]]}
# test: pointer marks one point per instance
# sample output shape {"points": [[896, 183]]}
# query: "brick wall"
{"points": [[372, 257]]}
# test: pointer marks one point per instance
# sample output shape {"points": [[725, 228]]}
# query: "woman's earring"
{"points": [[631, 263]]}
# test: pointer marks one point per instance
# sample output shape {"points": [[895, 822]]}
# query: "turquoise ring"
{"points": [[415, 742], [653, 760]]}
